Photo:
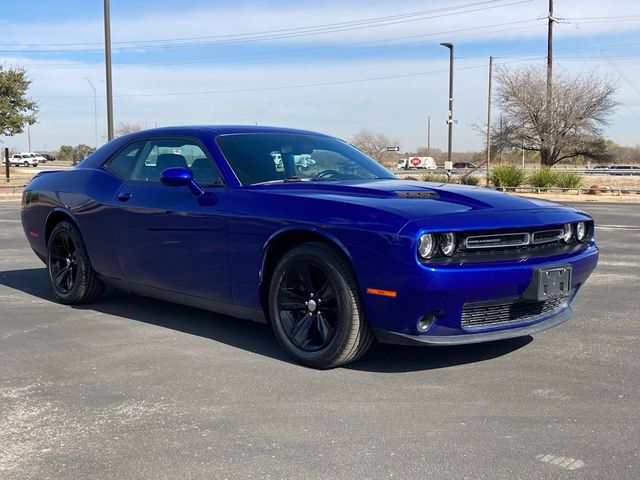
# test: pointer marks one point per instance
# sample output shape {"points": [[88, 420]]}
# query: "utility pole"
{"points": [[107, 58], [450, 116], [545, 146], [429, 136], [489, 118], [29, 137]]}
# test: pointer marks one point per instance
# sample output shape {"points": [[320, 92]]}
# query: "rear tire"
{"points": [[71, 276], [315, 308], [25, 164]]}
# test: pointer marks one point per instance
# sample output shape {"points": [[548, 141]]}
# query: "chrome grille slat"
{"points": [[546, 236], [497, 240], [482, 315]]}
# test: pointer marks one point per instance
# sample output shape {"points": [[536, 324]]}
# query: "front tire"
{"points": [[71, 276], [315, 308]]}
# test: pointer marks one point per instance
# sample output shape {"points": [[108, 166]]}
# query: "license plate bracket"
{"points": [[549, 283]]}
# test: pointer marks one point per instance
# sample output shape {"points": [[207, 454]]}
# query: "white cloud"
{"points": [[397, 106]]}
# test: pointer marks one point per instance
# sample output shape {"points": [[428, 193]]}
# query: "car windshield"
{"points": [[265, 157]]}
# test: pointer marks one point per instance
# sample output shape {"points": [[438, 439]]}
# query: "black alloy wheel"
{"points": [[307, 306], [71, 275], [63, 262], [315, 308]]}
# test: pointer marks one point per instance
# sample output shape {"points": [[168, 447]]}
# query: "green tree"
{"points": [[16, 109], [82, 151], [65, 153]]}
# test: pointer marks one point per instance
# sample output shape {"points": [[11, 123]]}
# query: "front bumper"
{"points": [[397, 338], [444, 290]]}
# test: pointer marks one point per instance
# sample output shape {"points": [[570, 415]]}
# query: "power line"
{"points": [[285, 87], [311, 31], [314, 52], [283, 30]]}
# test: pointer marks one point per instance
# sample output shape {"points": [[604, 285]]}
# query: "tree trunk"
{"points": [[545, 157]]}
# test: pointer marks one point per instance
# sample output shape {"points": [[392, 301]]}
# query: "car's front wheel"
{"points": [[71, 276], [315, 308]]}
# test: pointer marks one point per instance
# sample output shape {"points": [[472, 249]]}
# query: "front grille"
{"points": [[511, 244], [497, 240], [484, 314]]}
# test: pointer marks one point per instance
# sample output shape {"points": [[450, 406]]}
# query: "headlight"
{"points": [[448, 243], [581, 231], [567, 232], [426, 246]]}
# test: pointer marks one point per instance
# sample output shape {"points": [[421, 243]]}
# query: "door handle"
{"points": [[124, 197]]}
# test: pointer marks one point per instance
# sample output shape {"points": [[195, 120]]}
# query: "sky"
{"points": [[334, 66]]}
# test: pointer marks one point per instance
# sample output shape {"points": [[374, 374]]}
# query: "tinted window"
{"points": [[259, 157], [158, 155], [123, 163], [145, 161]]}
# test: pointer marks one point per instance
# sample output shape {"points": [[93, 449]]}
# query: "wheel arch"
{"points": [[55, 217], [288, 238]]}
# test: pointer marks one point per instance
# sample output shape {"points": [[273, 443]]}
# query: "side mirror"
{"points": [[180, 177]]}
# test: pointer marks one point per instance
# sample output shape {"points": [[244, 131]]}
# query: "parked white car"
{"points": [[37, 156], [24, 160]]}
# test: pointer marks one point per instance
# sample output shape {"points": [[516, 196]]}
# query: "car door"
{"points": [[166, 237]]}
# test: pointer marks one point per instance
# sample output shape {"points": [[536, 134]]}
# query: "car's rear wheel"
{"points": [[71, 276], [315, 308], [25, 164]]}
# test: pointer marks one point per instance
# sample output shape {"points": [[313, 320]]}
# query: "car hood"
{"points": [[474, 207]]}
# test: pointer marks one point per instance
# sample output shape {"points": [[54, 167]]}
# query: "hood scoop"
{"points": [[427, 194]]}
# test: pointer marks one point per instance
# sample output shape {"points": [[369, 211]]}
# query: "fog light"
{"points": [[581, 231], [448, 243], [425, 323], [567, 232]]}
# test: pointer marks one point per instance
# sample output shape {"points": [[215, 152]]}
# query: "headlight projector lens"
{"points": [[567, 232], [581, 231], [448, 244], [427, 246]]}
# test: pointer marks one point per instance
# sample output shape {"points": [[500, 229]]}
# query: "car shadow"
{"points": [[255, 337]]}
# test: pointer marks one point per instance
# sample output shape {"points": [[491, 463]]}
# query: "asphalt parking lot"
{"points": [[132, 388]]}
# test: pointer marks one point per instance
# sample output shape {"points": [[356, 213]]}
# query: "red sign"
{"points": [[415, 161]]}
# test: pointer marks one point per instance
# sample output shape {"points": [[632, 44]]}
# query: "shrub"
{"points": [[507, 176], [569, 180], [434, 177], [470, 180], [543, 178]]}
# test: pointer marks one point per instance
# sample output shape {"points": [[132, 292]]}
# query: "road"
{"points": [[131, 388]]}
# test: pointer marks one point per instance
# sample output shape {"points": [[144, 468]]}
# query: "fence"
{"points": [[579, 191]]}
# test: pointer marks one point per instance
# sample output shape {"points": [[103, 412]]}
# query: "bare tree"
{"points": [[580, 108], [124, 128], [375, 145]]}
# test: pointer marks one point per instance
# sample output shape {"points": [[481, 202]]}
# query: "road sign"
{"points": [[393, 149]]}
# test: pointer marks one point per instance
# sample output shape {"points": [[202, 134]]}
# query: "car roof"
{"points": [[222, 130]]}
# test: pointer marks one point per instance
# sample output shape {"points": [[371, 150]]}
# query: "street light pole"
{"points": [[429, 136], [95, 111], [107, 58], [450, 116]]}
